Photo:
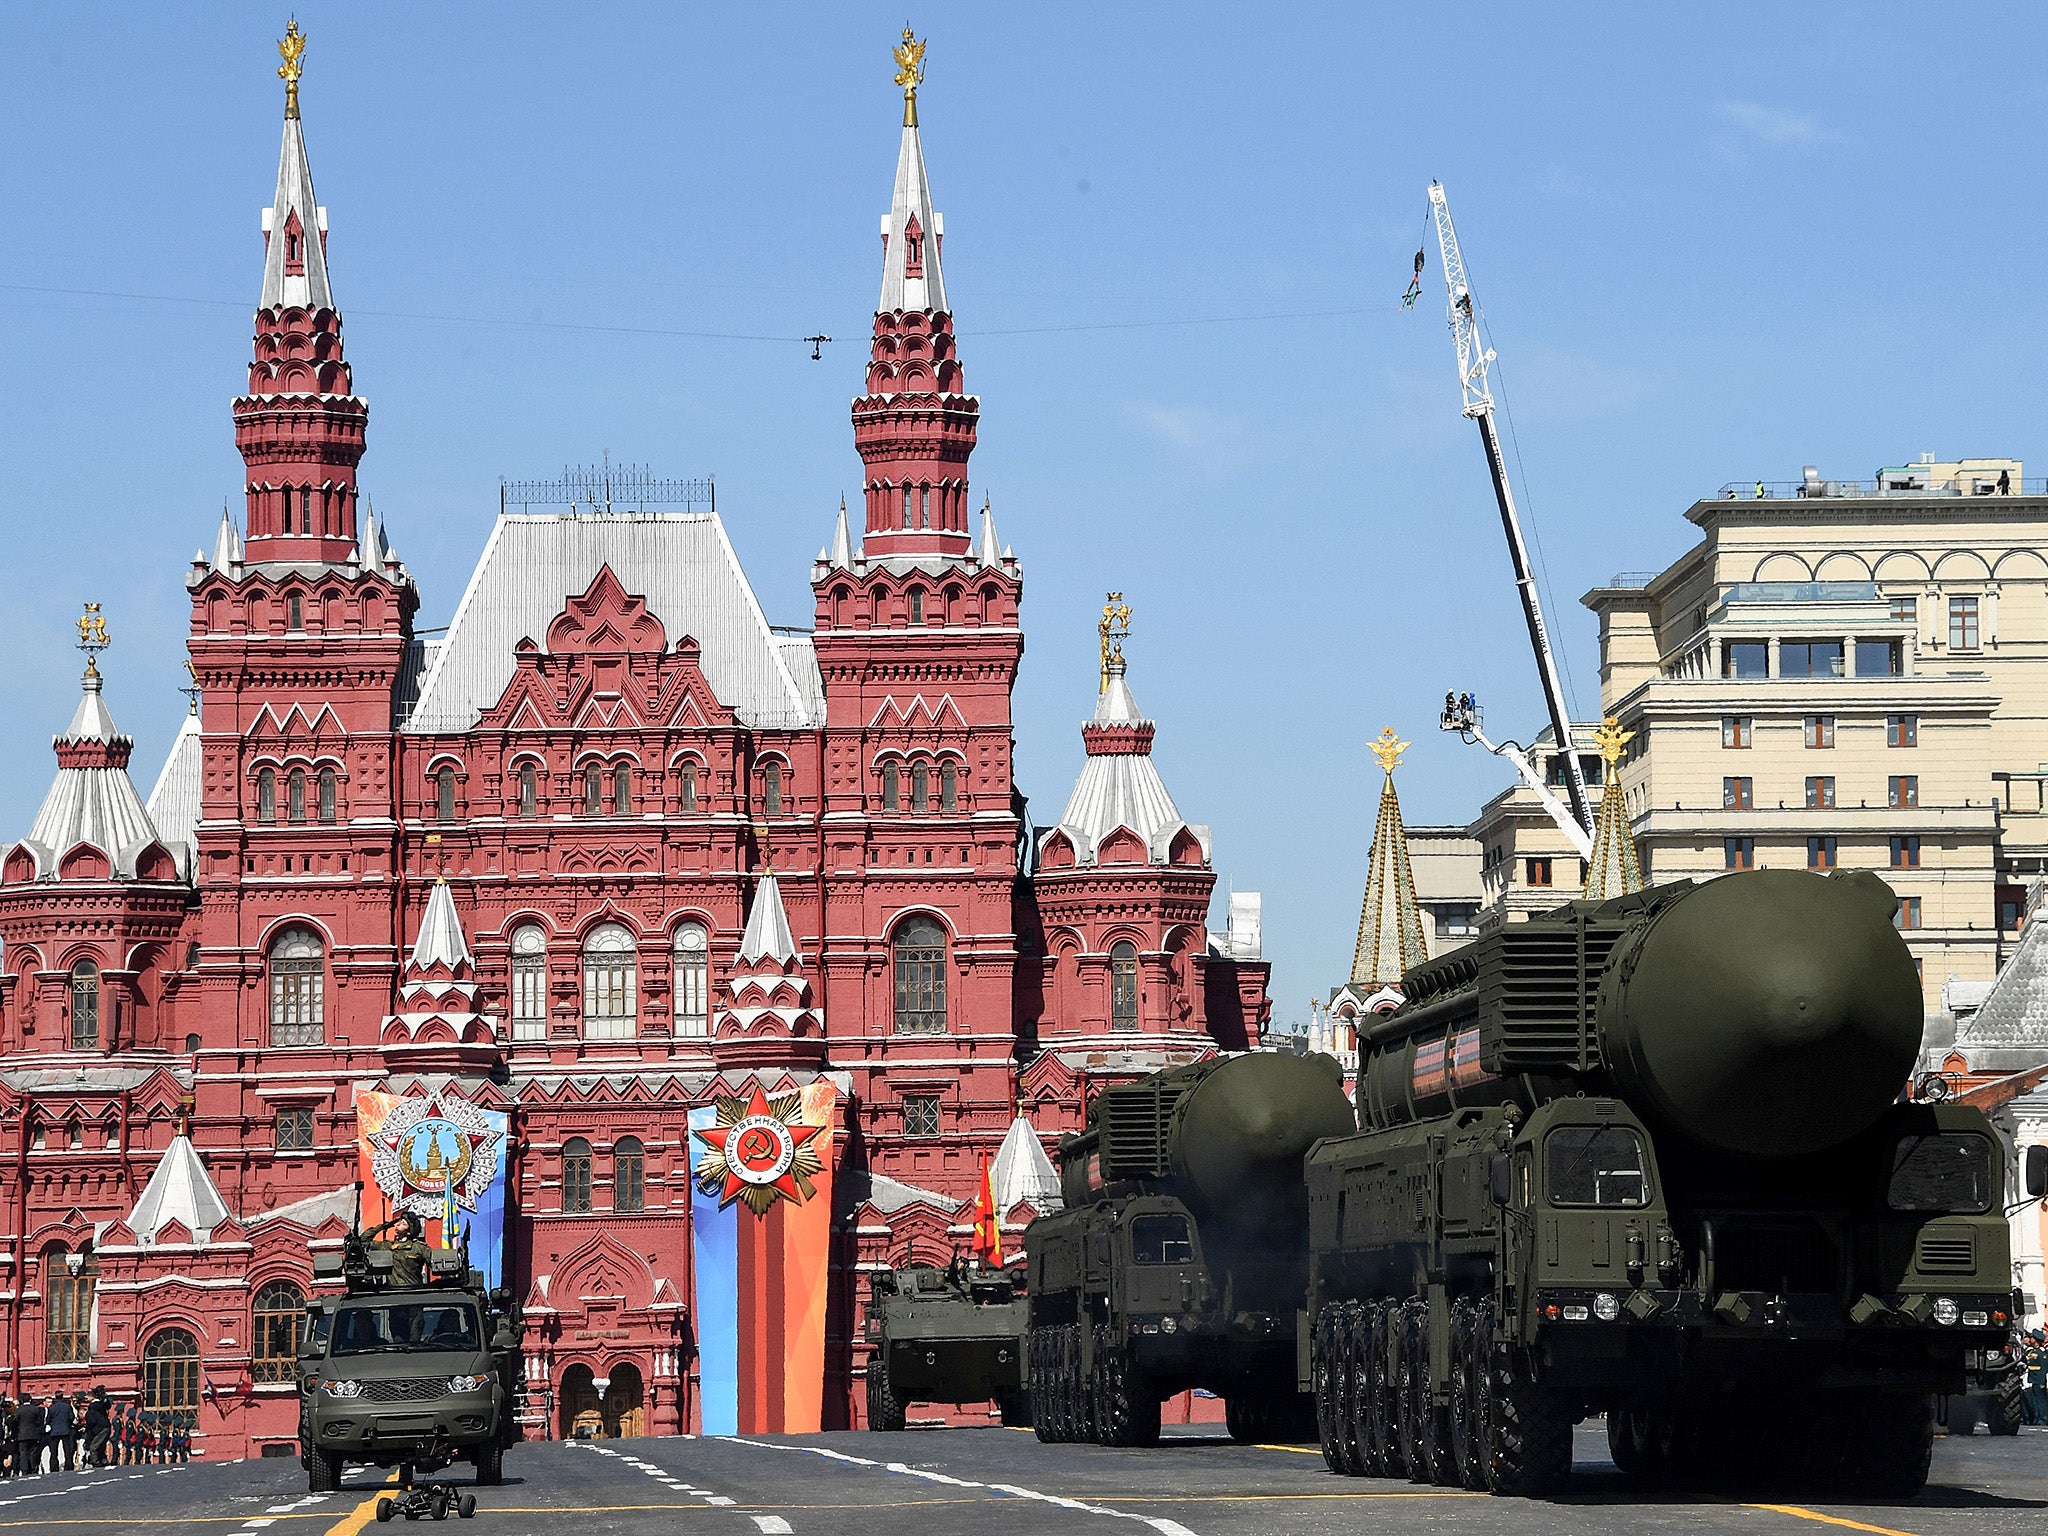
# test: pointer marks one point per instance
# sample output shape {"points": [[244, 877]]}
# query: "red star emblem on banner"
{"points": [[758, 1153]]}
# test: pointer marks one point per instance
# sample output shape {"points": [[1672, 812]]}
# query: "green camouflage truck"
{"points": [[952, 1335]]}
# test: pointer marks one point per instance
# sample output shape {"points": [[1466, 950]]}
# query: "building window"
{"points": [[918, 786], [771, 790], [1879, 658], [1738, 794], [2012, 908], [327, 796], [1735, 730], [1902, 730], [593, 790], [1810, 658], [1962, 623], [1904, 610], [1745, 659], [444, 794], [291, 1130], [889, 787], [916, 606], [295, 796], [529, 789], [920, 1115], [68, 1282], [298, 992], [273, 1342], [1536, 871], [906, 506], [920, 965], [629, 1175], [1123, 986], [1820, 730], [622, 790], [1908, 915], [294, 611], [949, 786], [1820, 793], [1738, 853], [1457, 920], [85, 1006], [266, 794], [1905, 853], [689, 787], [170, 1372], [575, 1174], [529, 982], [610, 977], [1820, 853], [1902, 791], [693, 980]]}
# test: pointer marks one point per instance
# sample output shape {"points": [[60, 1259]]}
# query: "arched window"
{"points": [[274, 1339], [693, 980], [610, 977], [266, 794], [298, 989], [68, 1281], [906, 505], [593, 790], [305, 513], [916, 606], [444, 793], [295, 795], [689, 786], [924, 507], [85, 1006], [529, 983], [294, 611], [771, 790], [920, 962], [629, 1175], [575, 1174], [170, 1372], [919, 786], [622, 790], [949, 785], [327, 794], [1123, 986], [890, 777], [529, 788]]}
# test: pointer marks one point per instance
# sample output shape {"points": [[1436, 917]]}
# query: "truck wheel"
{"points": [[323, 1472], [1038, 1386], [1344, 1391], [1531, 1449], [884, 1412], [1327, 1371], [1386, 1390], [2008, 1404], [1126, 1412], [490, 1465], [1245, 1416], [1014, 1410], [1465, 1372], [1412, 1389], [1363, 1385], [1890, 1439]]}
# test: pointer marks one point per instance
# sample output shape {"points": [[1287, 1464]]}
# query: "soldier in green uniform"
{"points": [[408, 1249], [2034, 1362]]}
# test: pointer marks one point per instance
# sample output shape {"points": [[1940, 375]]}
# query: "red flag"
{"points": [[988, 1221]]}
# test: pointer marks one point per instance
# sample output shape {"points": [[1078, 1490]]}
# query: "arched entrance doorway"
{"points": [[578, 1412], [624, 1405]]}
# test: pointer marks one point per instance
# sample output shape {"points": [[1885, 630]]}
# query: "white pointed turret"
{"points": [[911, 231], [768, 936], [1023, 1172], [227, 543], [440, 940], [370, 547], [295, 227], [990, 547], [768, 1014], [180, 1190], [841, 557]]}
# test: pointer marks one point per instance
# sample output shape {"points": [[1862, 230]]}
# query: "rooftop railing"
{"points": [[1887, 487]]}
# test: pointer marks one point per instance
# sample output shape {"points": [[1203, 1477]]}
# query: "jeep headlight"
{"points": [[467, 1383], [1606, 1306], [1946, 1311], [342, 1388]]}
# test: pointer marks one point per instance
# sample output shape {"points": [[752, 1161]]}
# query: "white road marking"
{"points": [[772, 1525]]}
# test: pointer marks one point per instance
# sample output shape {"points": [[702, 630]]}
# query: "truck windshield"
{"points": [[1941, 1173], [1595, 1165], [405, 1327], [1161, 1240]]}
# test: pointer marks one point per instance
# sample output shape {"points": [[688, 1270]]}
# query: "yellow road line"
{"points": [[353, 1522], [1798, 1513], [1295, 1450]]}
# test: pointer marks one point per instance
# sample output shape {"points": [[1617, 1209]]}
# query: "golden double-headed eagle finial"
{"points": [[92, 637], [909, 56], [1388, 747], [1115, 628], [290, 48], [1611, 738]]}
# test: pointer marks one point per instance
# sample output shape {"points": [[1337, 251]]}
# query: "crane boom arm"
{"points": [[1473, 358]]}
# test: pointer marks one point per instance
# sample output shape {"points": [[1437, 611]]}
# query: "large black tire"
{"points": [[1126, 1409], [1364, 1383], [1014, 1409], [1248, 1416], [1530, 1449], [1466, 1369], [490, 1465], [2008, 1404], [1890, 1442], [1418, 1442], [1386, 1389], [324, 1471], [1343, 1373], [1038, 1388], [1326, 1372], [885, 1413]]}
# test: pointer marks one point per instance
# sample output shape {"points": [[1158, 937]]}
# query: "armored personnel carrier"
{"points": [[1181, 1256], [952, 1335], [415, 1367], [1649, 1158]]}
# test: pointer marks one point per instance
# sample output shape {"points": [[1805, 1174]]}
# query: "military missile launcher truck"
{"points": [[1648, 1158], [952, 1335], [1180, 1258]]}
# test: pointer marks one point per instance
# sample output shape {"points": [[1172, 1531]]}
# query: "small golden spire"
{"points": [[92, 637], [1611, 738], [1115, 628], [1388, 747], [289, 48], [909, 55]]}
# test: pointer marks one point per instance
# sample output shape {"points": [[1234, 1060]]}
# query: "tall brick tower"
{"points": [[918, 645]]}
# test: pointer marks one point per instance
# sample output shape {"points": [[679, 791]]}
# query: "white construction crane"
{"points": [[1473, 357]]}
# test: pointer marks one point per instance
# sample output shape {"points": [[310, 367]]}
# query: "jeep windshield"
{"points": [[405, 1327]]}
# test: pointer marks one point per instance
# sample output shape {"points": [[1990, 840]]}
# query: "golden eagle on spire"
{"points": [[289, 48], [1388, 747], [909, 56], [1115, 628]]}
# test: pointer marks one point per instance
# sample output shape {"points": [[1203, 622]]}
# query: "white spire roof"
{"points": [[227, 543], [304, 286], [95, 804], [1119, 784], [440, 939], [174, 802], [768, 925], [913, 200], [180, 1190], [1023, 1172], [842, 541], [989, 544]]}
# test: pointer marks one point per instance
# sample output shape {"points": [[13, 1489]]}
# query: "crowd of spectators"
{"points": [[87, 1431]]}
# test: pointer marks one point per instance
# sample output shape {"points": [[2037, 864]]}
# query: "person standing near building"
{"points": [[99, 1425], [78, 1430], [58, 1422], [28, 1436], [130, 1435], [2034, 1378], [6, 1436]]}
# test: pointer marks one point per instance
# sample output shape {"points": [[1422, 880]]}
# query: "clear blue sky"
{"points": [[1712, 244]]}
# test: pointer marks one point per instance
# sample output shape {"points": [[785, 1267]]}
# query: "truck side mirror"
{"points": [[2037, 1171], [1501, 1180]]}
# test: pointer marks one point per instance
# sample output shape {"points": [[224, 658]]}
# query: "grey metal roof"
{"points": [[2010, 1031], [767, 925], [179, 1190], [681, 563], [1122, 789], [913, 195], [1023, 1172], [174, 802], [295, 195], [98, 806]]}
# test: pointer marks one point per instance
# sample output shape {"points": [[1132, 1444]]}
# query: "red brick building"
{"points": [[514, 863]]}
